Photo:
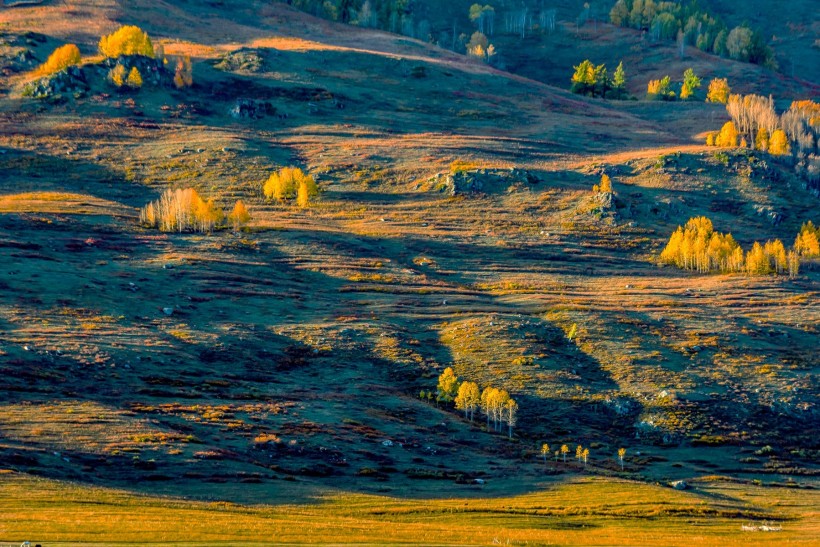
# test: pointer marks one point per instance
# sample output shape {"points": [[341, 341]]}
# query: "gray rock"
{"points": [[251, 109], [71, 80], [244, 60], [680, 485]]}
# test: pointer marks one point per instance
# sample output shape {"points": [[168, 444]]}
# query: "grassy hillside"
{"points": [[264, 384]]}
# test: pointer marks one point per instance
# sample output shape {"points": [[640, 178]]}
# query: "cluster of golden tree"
{"points": [[495, 404], [687, 23], [755, 124], [807, 242], [183, 210], [127, 40], [483, 17], [480, 47], [121, 78], [661, 90], [581, 453], [592, 80], [291, 183], [697, 246]]}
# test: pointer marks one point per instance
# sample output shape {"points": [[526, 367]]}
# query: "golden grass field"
{"points": [[588, 511]]}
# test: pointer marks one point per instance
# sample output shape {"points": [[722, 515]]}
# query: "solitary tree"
{"points": [[585, 455], [447, 386], [240, 216], [545, 450], [605, 186], [62, 58], [183, 73], [134, 80], [127, 40], [621, 454], [510, 410], [619, 81], [779, 143], [718, 91], [564, 452], [728, 136], [690, 84], [579, 451], [117, 76]]}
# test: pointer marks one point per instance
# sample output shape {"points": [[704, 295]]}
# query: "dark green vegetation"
{"points": [[455, 227]]}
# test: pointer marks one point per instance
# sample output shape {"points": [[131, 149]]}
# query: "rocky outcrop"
{"points": [[71, 81], [152, 70], [76, 80], [481, 180], [244, 60], [251, 109], [771, 215]]}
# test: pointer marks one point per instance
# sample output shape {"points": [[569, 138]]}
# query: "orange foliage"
{"points": [[718, 91], [181, 210], [62, 58], [128, 40], [240, 216], [183, 75], [697, 246]]}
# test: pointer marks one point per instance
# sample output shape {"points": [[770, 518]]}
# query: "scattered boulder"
{"points": [[16, 59], [773, 216], [680, 485], [606, 200], [152, 70], [168, 311], [481, 180], [75, 80], [69, 81], [243, 60], [251, 109]]}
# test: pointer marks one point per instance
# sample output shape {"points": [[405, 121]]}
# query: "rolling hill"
{"points": [[263, 385]]}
